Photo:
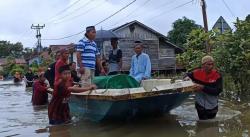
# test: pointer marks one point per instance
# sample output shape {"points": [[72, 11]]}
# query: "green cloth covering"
{"points": [[115, 82]]}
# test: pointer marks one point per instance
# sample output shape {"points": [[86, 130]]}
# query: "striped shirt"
{"points": [[89, 52]]}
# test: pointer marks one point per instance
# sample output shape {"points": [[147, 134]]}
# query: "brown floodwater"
{"points": [[19, 118]]}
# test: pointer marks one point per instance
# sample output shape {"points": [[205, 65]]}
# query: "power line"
{"points": [[136, 9], [65, 9], [167, 3], [70, 13], [177, 7], [73, 18], [160, 6], [81, 14], [96, 23], [228, 8], [116, 12]]}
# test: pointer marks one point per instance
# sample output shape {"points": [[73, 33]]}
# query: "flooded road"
{"points": [[19, 118]]}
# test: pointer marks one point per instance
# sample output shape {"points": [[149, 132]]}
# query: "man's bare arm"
{"points": [[79, 59], [99, 63]]}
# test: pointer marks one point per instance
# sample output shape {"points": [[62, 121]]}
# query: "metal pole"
{"points": [[204, 14], [38, 36]]}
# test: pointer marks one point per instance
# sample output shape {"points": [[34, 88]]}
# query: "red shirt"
{"points": [[201, 75], [212, 81], [40, 95], [58, 109], [59, 63]]}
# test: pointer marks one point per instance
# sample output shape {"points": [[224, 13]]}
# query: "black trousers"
{"points": [[205, 114]]}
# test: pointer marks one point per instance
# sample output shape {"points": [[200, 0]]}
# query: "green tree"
{"points": [[17, 68], [11, 67], [231, 51], [27, 53], [195, 48], [248, 18], [181, 29], [10, 49]]}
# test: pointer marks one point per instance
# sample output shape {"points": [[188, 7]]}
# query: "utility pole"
{"points": [[204, 14], [38, 35]]}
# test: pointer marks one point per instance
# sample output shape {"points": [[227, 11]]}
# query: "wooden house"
{"points": [[162, 53]]}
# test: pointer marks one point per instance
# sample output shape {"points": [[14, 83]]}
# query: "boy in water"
{"points": [[58, 109], [17, 77], [40, 90]]}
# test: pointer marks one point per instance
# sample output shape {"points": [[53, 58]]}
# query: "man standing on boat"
{"points": [[208, 85], [140, 64], [115, 58], [88, 56]]}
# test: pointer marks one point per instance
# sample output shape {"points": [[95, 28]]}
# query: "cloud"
{"points": [[17, 16]]}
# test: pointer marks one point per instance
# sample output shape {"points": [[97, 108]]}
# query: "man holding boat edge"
{"points": [[208, 86]]}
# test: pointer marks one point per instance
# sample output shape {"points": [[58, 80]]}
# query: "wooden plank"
{"points": [[136, 93]]}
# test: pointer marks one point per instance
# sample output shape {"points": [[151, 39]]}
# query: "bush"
{"points": [[231, 51]]}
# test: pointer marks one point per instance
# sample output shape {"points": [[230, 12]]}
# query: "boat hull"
{"points": [[101, 110]]}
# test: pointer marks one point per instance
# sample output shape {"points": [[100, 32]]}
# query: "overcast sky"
{"points": [[18, 15]]}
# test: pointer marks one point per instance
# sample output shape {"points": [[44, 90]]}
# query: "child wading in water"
{"points": [[58, 109]]}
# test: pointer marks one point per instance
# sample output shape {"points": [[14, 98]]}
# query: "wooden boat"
{"points": [[128, 103]]}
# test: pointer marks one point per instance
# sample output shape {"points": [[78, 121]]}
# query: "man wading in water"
{"points": [[209, 86]]}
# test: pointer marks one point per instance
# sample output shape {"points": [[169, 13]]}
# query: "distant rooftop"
{"points": [[221, 25]]}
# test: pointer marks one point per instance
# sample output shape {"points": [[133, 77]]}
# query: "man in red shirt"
{"points": [[40, 91], [61, 62], [208, 85]]}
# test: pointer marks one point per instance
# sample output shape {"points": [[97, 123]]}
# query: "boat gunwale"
{"points": [[145, 94]]}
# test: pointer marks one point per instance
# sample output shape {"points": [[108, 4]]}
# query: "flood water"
{"points": [[19, 118]]}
